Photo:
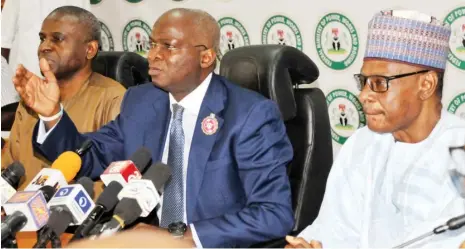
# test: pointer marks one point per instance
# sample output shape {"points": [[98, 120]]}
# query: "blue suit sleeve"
{"points": [[108, 143], [262, 152]]}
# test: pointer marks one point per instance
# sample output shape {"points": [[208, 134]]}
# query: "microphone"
{"points": [[12, 224], [106, 202], [84, 147], [10, 179], [126, 212], [70, 204], [145, 190], [138, 198], [123, 171], [62, 171], [32, 205], [48, 192], [452, 224]]}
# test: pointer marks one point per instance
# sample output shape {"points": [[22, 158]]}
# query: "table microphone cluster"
{"points": [[49, 205]]}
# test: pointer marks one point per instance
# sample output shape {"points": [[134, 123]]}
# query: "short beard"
{"points": [[67, 73]]}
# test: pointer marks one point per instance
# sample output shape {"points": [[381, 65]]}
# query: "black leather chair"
{"points": [[276, 71], [128, 68]]}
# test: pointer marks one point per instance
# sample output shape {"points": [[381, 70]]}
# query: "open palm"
{"points": [[41, 95]]}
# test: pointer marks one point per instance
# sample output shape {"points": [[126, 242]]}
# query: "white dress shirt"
{"points": [[21, 24], [191, 104]]}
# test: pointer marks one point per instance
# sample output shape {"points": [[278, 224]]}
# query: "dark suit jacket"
{"points": [[238, 191]]}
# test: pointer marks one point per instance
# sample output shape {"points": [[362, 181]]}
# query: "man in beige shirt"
{"points": [[68, 42]]}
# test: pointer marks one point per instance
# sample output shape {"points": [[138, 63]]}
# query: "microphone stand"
{"points": [[452, 224], [10, 242], [415, 240], [55, 241]]}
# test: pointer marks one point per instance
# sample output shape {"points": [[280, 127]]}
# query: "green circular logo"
{"points": [[456, 105], [336, 41], [106, 39], [233, 35], [95, 1], [134, 1], [456, 20], [345, 114], [281, 30], [136, 37]]}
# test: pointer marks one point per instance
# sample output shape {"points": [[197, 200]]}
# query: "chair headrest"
{"points": [[272, 70], [128, 68]]}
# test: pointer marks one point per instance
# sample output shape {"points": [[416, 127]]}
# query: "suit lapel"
{"points": [[202, 144], [157, 127]]}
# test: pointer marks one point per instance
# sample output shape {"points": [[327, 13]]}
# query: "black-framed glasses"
{"points": [[457, 174], [380, 83]]}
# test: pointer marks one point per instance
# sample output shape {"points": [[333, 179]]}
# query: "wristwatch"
{"points": [[177, 229]]}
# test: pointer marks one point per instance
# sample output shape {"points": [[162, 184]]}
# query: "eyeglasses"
{"points": [[380, 83], [164, 47], [458, 173]]}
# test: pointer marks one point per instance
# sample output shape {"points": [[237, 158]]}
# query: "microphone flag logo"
{"points": [[39, 210], [82, 201], [65, 191]]}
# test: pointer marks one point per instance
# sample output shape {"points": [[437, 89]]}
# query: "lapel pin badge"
{"points": [[210, 124]]}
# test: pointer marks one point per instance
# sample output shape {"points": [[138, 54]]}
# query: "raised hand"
{"points": [[41, 95]]}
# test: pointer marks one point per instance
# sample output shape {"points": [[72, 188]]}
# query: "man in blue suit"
{"points": [[227, 146]]}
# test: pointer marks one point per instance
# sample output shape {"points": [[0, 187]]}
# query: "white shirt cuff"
{"points": [[195, 237], [42, 134]]}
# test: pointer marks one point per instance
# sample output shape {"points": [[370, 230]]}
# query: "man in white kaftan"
{"points": [[380, 192], [391, 181]]}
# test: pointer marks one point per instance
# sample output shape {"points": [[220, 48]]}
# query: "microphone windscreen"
{"points": [[59, 220], [128, 209], [141, 158], [13, 173], [48, 192], [158, 173], [69, 163], [109, 197], [88, 185], [17, 169], [13, 223]]}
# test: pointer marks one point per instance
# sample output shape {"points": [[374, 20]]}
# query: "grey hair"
{"points": [[84, 17]]}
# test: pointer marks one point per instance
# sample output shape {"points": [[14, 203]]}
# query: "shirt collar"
{"points": [[192, 102]]}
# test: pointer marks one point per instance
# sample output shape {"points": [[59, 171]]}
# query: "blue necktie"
{"points": [[173, 197]]}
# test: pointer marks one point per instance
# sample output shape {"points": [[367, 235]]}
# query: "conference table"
{"points": [[28, 239]]}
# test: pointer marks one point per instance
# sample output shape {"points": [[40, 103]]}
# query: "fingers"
{"points": [[19, 74], [298, 242], [21, 77], [316, 244], [20, 70], [23, 84], [45, 68]]}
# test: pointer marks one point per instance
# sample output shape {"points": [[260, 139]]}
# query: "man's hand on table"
{"points": [[298, 242]]}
